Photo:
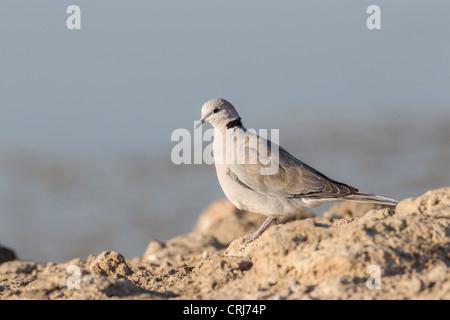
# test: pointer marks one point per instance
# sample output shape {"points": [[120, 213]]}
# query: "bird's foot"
{"points": [[258, 232], [251, 237]]}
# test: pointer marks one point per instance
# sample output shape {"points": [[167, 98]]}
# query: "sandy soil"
{"points": [[355, 251]]}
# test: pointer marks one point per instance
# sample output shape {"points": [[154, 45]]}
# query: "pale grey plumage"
{"points": [[293, 186]]}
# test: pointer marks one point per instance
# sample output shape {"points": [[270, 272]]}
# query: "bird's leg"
{"points": [[260, 230]]}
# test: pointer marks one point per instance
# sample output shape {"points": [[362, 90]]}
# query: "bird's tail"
{"points": [[371, 198]]}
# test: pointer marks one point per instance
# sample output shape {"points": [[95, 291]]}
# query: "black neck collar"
{"points": [[234, 123]]}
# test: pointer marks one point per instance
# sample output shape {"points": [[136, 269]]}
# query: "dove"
{"points": [[245, 164]]}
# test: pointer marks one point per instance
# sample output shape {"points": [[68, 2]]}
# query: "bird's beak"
{"points": [[202, 121]]}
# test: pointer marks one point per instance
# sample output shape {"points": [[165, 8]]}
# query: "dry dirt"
{"points": [[355, 251]]}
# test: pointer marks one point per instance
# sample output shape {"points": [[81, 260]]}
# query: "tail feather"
{"points": [[371, 198]]}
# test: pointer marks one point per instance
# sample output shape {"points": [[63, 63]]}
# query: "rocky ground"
{"points": [[355, 251]]}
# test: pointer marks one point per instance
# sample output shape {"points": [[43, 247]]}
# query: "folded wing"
{"points": [[292, 179]]}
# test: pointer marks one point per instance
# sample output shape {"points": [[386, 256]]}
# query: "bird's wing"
{"points": [[291, 178]]}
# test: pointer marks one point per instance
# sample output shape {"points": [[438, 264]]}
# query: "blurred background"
{"points": [[86, 116]]}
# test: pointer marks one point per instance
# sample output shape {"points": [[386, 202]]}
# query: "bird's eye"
{"points": [[216, 110]]}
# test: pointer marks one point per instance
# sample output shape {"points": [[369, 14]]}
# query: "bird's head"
{"points": [[218, 112]]}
